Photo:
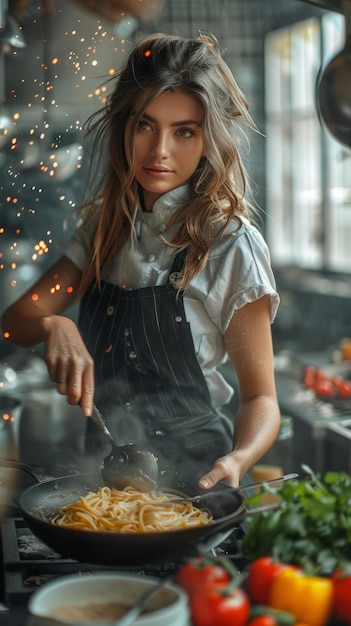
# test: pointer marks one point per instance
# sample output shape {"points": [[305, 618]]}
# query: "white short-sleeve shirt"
{"points": [[238, 272]]}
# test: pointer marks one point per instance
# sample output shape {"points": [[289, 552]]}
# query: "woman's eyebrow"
{"points": [[180, 123]]}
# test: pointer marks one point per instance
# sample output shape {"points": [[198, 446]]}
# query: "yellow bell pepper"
{"points": [[308, 598]]}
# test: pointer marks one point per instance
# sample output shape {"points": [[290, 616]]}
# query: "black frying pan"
{"points": [[41, 502]]}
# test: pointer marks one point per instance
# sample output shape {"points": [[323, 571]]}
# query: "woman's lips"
{"points": [[157, 171]]}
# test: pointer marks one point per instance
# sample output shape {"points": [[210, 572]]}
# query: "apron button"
{"points": [[126, 332], [110, 310], [178, 318], [132, 355], [159, 433]]}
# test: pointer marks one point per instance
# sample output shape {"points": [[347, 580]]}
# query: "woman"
{"points": [[172, 276]]}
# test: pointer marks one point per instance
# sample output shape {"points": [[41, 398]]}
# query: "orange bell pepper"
{"points": [[308, 598]]}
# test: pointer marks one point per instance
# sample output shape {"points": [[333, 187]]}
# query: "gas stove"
{"points": [[27, 563]]}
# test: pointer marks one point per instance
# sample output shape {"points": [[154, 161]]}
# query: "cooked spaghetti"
{"points": [[130, 511]]}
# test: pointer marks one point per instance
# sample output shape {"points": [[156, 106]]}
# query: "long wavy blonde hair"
{"points": [[157, 64]]}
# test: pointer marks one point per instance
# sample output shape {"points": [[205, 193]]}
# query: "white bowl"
{"points": [[167, 606]]}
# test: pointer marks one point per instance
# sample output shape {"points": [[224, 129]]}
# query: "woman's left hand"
{"points": [[224, 469]]}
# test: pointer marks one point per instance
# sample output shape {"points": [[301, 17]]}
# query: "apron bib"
{"points": [[149, 384]]}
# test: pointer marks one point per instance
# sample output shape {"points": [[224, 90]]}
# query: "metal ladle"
{"points": [[334, 88], [128, 465]]}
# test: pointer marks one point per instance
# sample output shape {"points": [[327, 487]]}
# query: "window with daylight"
{"points": [[308, 171]]}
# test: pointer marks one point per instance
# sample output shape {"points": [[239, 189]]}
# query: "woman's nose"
{"points": [[161, 146]]}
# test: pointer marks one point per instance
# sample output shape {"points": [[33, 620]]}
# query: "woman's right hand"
{"points": [[38, 317], [69, 363]]}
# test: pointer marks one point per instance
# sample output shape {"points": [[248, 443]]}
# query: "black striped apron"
{"points": [[149, 385]]}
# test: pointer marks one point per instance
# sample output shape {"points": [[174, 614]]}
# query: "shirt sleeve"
{"points": [[242, 273], [76, 248]]}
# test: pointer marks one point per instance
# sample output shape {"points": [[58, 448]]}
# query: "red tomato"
{"points": [[197, 573], [310, 371], [263, 620], [260, 576], [345, 389], [309, 376], [324, 388], [342, 595], [338, 381], [309, 382], [213, 605]]}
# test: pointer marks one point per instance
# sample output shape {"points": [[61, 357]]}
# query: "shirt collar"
{"points": [[172, 200]]}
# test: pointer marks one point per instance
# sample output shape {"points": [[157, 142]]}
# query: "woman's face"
{"points": [[168, 144]]}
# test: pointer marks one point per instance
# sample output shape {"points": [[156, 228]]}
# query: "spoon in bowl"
{"points": [[128, 465]]}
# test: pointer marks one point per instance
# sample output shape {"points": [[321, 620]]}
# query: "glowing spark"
{"points": [[6, 335], [41, 247]]}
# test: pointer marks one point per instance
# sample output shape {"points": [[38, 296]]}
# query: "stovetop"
{"points": [[28, 563]]}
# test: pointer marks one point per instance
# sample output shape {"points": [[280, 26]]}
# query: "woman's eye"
{"points": [[186, 132], [143, 125]]}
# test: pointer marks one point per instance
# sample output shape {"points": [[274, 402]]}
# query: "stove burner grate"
{"points": [[28, 563]]}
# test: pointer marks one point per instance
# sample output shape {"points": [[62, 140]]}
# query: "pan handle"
{"points": [[23, 467], [209, 494], [280, 479], [28, 469]]}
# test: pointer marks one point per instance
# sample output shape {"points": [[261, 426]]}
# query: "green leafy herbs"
{"points": [[311, 528]]}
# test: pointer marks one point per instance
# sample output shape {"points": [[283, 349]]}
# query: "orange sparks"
{"points": [[6, 334]]}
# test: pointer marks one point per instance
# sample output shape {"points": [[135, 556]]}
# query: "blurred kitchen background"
{"points": [[55, 59]]}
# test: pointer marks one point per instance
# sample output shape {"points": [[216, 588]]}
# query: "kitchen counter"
{"points": [[314, 441]]}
